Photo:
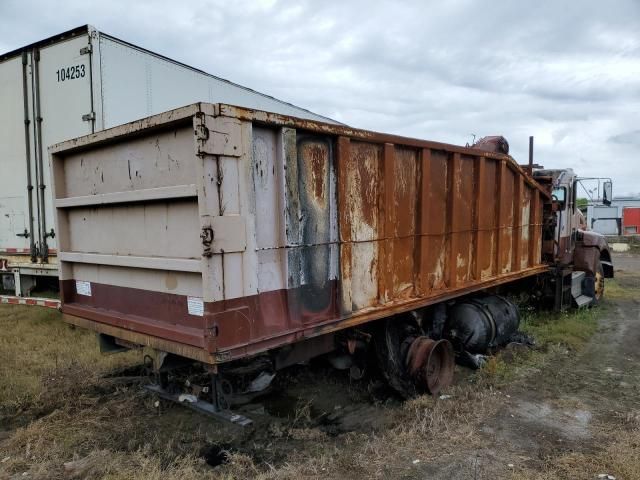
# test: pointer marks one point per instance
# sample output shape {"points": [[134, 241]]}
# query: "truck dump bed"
{"points": [[216, 232]]}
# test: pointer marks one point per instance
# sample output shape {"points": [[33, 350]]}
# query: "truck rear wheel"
{"points": [[411, 362], [598, 284]]}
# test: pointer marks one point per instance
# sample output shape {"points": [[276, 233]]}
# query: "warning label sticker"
{"points": [[195, 306], [83, 288]]}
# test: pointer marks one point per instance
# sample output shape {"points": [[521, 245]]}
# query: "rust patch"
{"points": [[362, 180], [171, 281], [317, 157]]}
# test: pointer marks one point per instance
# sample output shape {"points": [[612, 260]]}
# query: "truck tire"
{"points": [[598, 284]]}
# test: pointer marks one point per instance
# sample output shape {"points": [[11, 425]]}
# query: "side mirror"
{"points": [[607, 193]]}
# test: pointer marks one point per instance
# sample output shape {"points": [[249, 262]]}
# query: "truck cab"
{"points": [[568, 244]]}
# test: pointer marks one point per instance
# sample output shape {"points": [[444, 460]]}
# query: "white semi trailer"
{"points": [[73, 84]]}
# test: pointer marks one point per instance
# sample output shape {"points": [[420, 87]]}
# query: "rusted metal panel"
{"points": [[343, 155], [405, 175], [464, 204], [479, 243], [489, 200], [362, 188], [422, 220], [436, 227], [535, 227], [454, 222], [268, 230]]}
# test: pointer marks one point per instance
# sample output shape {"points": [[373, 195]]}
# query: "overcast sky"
{"points": [[566, 72]]}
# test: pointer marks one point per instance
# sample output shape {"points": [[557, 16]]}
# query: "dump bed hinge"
{"points": [[202, 132], [220, 136], [207, 239], [86, 50]]}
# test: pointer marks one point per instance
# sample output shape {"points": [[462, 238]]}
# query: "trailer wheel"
{"points": [[412, 363], [598, 284]]}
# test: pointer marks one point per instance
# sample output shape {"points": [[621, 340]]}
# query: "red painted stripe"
{"points": [[39, 302]]}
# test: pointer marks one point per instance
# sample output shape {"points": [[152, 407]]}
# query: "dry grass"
{"points": [[109, 437], [110, 433], [37, 348], [620, 457], [424, 429]]}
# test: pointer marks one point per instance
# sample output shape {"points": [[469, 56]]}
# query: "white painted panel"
{"points": [[65, 96], [233, 279], [130, 261], [137, 83], [364, 281], [125, 93], [13, 170], [166, 281], [156, 229], [267, 184], [271, 268], [163, 159], [13, 220], [248, 210], [229, 190], [230, 205]]}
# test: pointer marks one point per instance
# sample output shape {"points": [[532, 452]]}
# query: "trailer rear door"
{"points": [[13, 206], [63, 83]]}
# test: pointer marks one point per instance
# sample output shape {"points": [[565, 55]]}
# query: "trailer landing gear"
{"points": [[160, 363], [201, 406]]}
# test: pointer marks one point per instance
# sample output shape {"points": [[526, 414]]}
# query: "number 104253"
{"points": [[70, 73]]}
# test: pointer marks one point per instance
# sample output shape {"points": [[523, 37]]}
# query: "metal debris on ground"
{"points": [[186, 397], [261, 382]]}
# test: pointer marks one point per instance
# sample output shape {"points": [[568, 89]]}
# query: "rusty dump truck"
{"points": [[247, 241]]}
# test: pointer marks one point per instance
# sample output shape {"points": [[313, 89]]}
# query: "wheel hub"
{"points": [[430, 364], [599, 285]]}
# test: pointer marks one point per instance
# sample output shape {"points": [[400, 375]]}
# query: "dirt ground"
{"points": [[568, 409], [572, 409]]}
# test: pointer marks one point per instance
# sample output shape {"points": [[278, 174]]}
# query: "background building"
{"points": [[622, 217]]}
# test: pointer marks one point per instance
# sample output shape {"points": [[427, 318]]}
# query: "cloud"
{"points": [[566, 72], [630, 138]]}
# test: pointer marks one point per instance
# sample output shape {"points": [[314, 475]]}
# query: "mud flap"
{"points": [[608, 268]]}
